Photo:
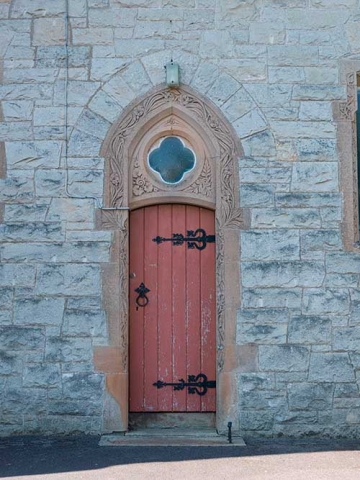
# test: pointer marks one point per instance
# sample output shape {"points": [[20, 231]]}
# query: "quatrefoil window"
{"points": [[171, 159]]}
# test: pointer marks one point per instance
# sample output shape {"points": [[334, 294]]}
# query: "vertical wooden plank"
{"points": [[136, 327], [208, 310], [193, 307], [179, 307], [165, 353], [151, 310]]}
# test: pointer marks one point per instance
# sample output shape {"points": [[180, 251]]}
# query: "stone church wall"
{"points": [[276, 71]]}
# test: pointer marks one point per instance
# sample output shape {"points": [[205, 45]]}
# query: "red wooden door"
{"points": [[173, 336]]}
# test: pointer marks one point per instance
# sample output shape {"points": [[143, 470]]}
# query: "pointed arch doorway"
{"points": [[211, 182], [172, 310]]}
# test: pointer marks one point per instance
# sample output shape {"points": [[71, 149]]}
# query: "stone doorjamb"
{"points": [[345, 117], [160, 111]]}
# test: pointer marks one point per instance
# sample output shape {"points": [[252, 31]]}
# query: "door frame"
{"points": [[160, 111]]}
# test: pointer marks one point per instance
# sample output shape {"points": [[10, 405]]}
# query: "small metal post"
{"points": [[229, 432]]}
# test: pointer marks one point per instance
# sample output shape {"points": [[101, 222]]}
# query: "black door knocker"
{"points": [[142, 300]]}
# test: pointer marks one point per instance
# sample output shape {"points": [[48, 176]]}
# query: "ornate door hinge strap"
{"points": [[195, 239], [196, 384]]}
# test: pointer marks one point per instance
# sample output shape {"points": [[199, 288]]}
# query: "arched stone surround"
{"points": [[205, 120]]}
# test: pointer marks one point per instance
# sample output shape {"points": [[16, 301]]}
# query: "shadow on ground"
{"points": [[23, 456]]}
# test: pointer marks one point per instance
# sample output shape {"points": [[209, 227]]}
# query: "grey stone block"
{"points": [[310, 330], [265, 175], [270, 245], [320, 301], [68, 279], [315, 177], [331, 367], [41, 375], [261, 334], [84, 323], [272, 298], [68, 349], [50, 183], [6, 297], [224, 87], [263, 316], [83, 145], [307, 396], [320, 240], [348, 263], [347, 338], [10, 364], [16, 275], [256, 195], [288, 218], [104, 105], [318, 92], [26, 213], [39, 231], [283, 358], [253, 420], [86, 182], [74, 407], [18, 110], [82, 386], [307, 200], [316, 149], [22, 9], [283, 274], [84, 252], [260, 144], [39, 311], [22, 338], [92, 124]]}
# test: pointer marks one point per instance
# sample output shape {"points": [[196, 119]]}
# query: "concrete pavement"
{"points": [[75, 458]]}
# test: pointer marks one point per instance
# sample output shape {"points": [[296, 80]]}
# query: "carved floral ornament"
{"points": [[212, 182]]}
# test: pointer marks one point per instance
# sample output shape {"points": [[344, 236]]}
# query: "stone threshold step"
{"points": [[170, 438]]}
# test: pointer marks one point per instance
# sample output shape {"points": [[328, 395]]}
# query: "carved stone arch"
{"points": [[186, 113]]}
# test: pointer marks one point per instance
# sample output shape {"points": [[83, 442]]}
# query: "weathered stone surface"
{"points": [[320, 240], [49, 31], [271, 298], [42, 375], [331, 367], [29, 155], [22, 338], [319, 301], [82, 386], [84, 323], [283, 358], [68, 349], [16, 275], [41, 311], [342, 263], [315, 177], [39, 231], [310, 330], [256, 195], [286, 218], [68, 279], [283, 274], [346, 338], [310, 396], [270, 245], [277, 71], [261, 334]]}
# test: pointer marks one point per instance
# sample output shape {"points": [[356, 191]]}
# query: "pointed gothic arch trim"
{"points": [[203, 118]]}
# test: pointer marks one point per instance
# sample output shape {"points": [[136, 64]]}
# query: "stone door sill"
{"points": [[170, 437]]}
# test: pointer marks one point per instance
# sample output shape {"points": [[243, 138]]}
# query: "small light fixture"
{"points": [[172, 74]]}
